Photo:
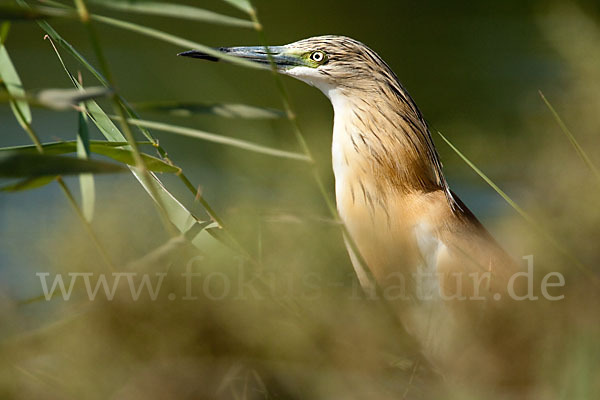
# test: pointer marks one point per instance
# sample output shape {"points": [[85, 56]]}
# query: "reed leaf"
{"points": [[107, 149], [178, 214], [57, 99], [9, 12], [563, 127], [63, 99], [179, 11], [186, 109], [15, 165], [532, 221], [28, 184], [167, 37], [86, 181], [211, 137], [11, 81], [186, 222], [56, 37], [46, 27], [56, 148], [243, 5], [151, 32], [126, 156], [4, 29]]}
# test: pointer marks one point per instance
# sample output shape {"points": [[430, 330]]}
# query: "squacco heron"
{"points": [[412, 231]]}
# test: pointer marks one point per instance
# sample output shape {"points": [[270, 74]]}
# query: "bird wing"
{"points": [[470, 251]]}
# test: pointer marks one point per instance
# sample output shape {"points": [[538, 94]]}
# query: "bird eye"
{"points": [[317, 56]]}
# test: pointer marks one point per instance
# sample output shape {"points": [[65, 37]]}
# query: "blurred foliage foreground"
{"points": [[268, 308]]}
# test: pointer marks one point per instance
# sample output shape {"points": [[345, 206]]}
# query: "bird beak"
{"points": [[280, 55]]}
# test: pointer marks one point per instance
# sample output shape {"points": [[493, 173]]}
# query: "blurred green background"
{"points": [[474, 69]]}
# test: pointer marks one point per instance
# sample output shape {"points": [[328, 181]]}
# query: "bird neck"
{"points": [[381, 138]]}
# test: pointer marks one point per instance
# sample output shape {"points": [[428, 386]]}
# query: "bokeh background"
{"points": [[474, 69]]}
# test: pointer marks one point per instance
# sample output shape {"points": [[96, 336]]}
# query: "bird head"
{"points": [[326, 62], [368, 97]]}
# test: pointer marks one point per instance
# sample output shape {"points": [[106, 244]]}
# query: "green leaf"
{"points": [[211, 137], [563, 127], [176, 11], [86, 181], [4, 29], [186, 222], [167, 37], [178, 214], [64, 99], [103, 123], [14, 13], [57, 99], [55, 37], [71, 50], [83, 135], [243, 5], [11, 81], [184, 109], [126, 156], [15, 165], [56, 148], [506, 197], [29, 183], [107, 149], [532, 221]]}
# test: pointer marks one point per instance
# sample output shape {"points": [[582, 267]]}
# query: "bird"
{"points": [[419, 241]]}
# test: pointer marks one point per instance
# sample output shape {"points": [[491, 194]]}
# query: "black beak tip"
{"points": [[198, 54]]}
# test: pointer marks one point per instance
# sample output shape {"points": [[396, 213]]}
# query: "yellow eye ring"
{"points": [[318, 56]]}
